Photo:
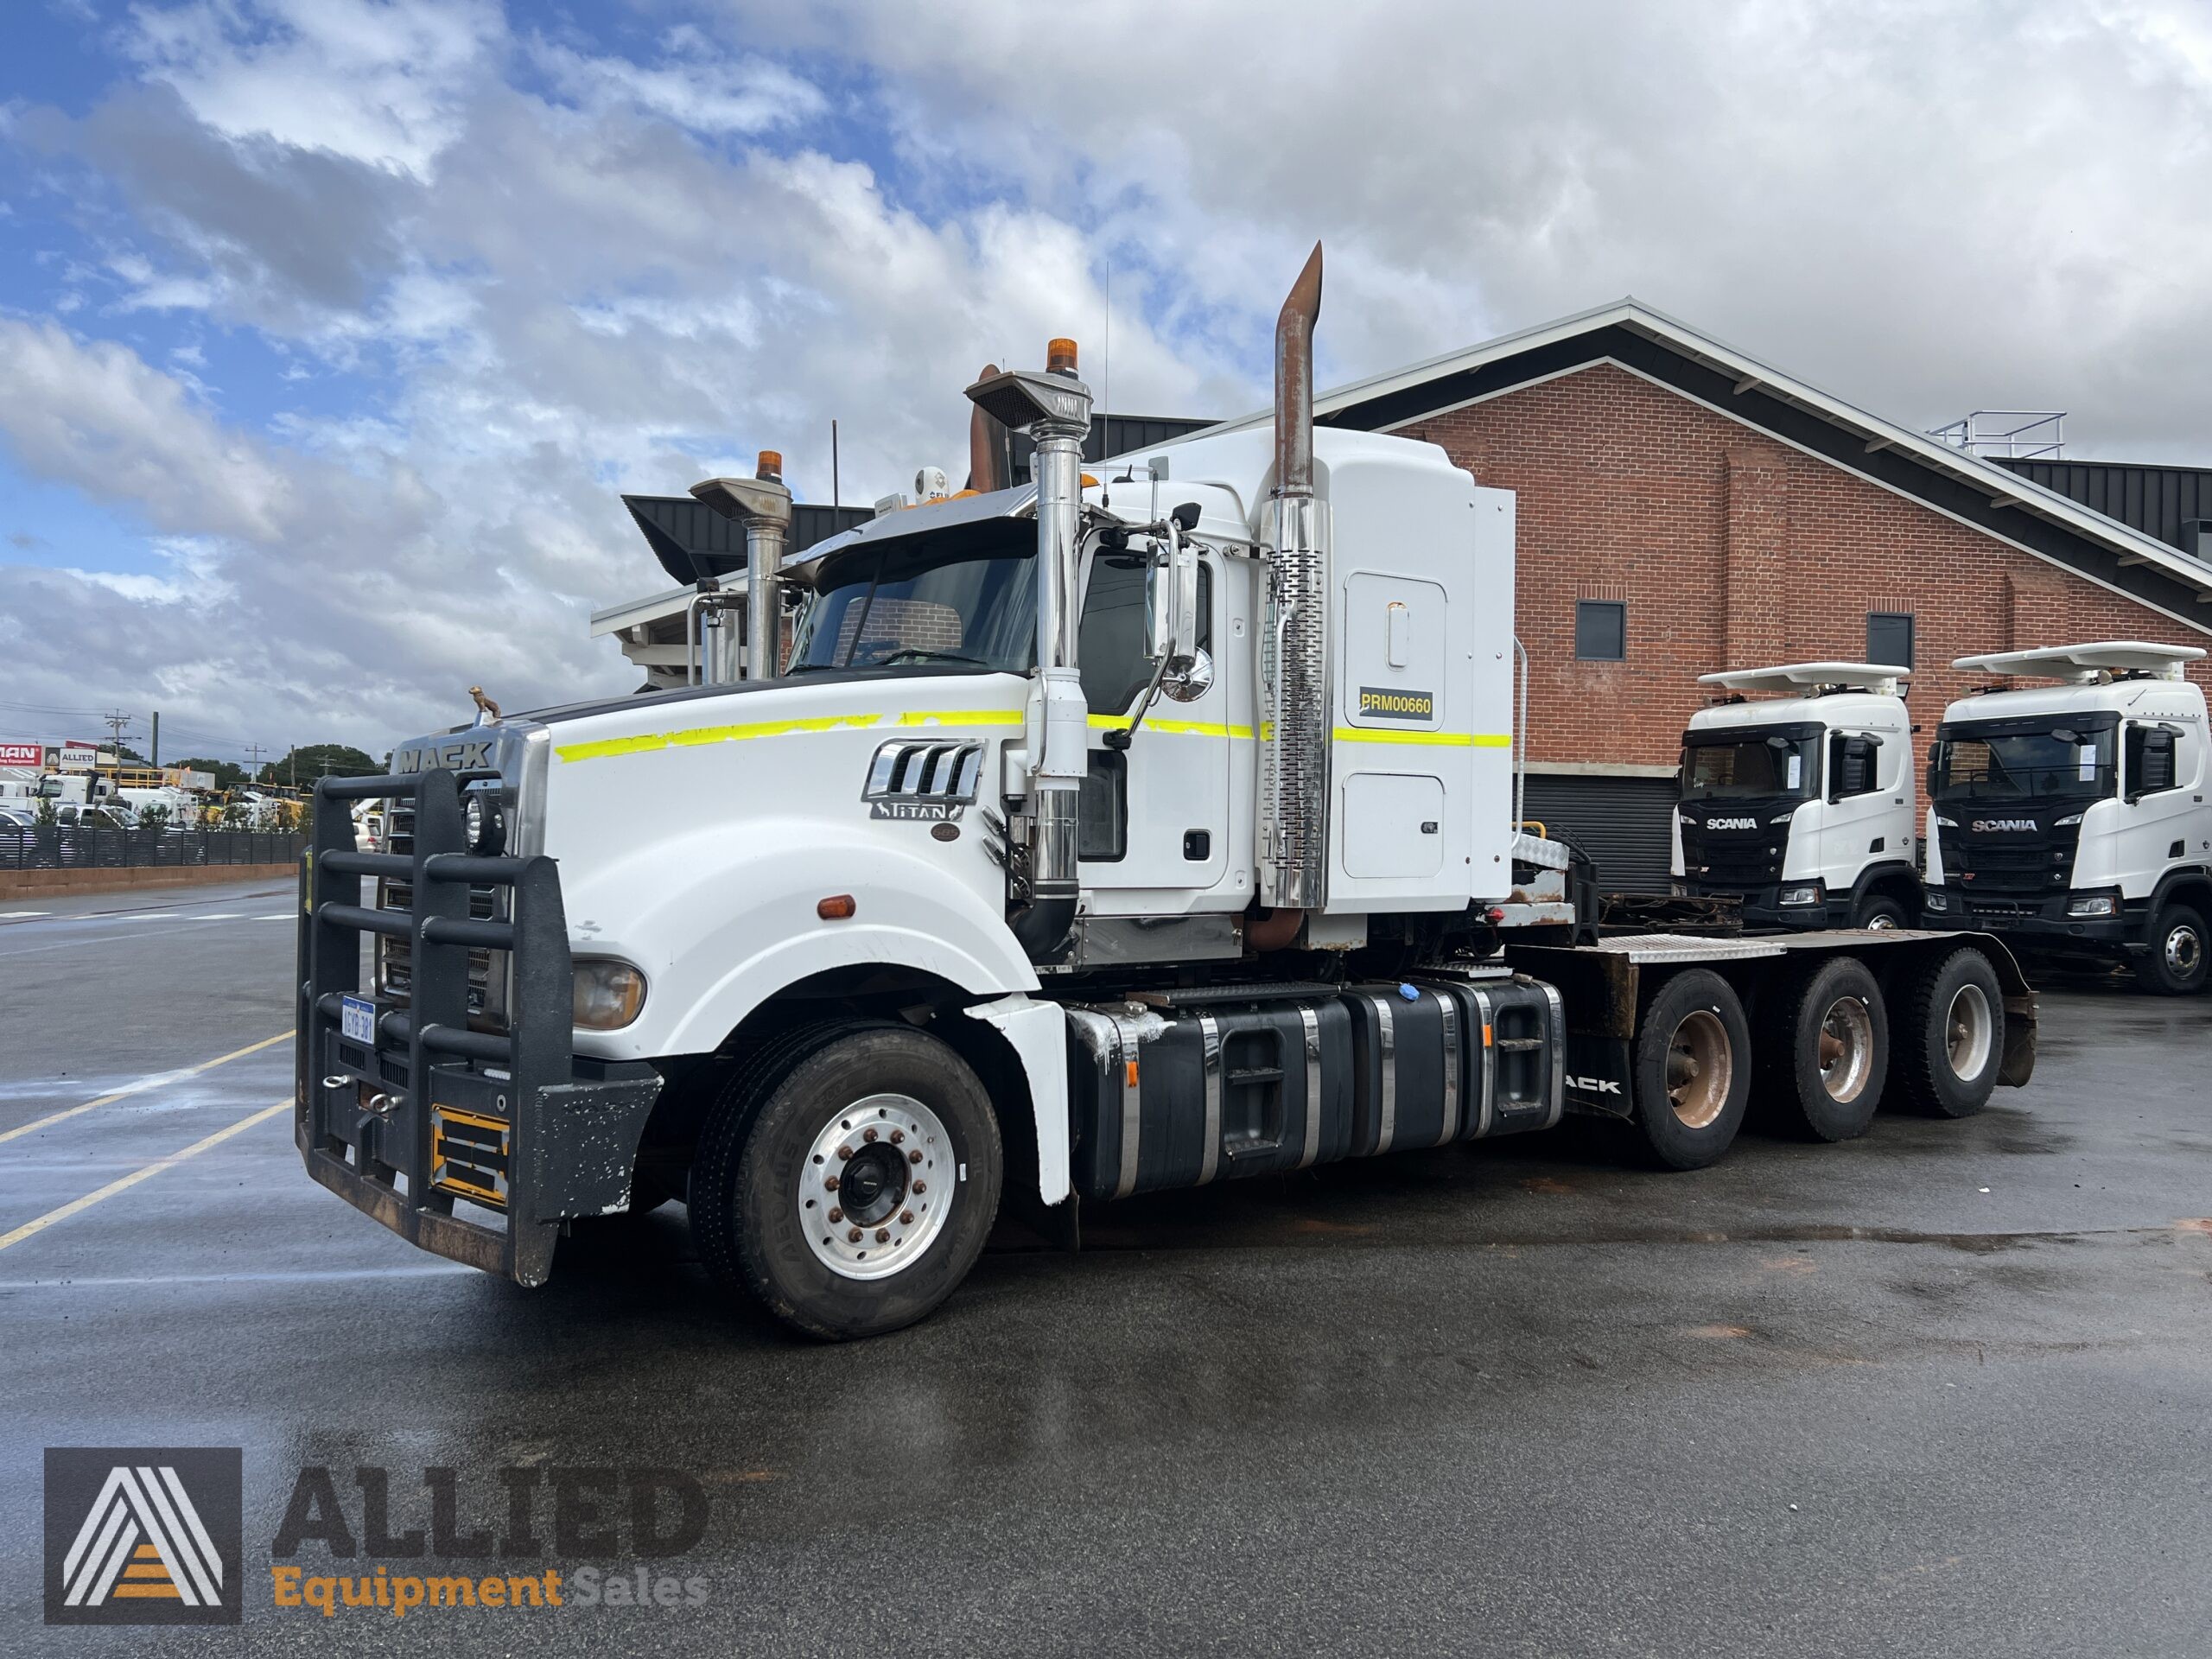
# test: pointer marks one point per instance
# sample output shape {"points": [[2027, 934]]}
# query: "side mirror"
{"points": [[1171, 588]]}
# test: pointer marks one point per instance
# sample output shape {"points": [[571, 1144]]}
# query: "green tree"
{"points": [[303, 766], [228, 774]]}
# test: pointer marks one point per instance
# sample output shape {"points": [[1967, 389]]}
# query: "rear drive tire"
{"points": [[2177, 962], [904, 1129], [1879, 911], [1692, 1070], [1951, 1038], [1826, 1054]]}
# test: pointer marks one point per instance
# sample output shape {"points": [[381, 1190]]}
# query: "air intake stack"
{"points": [[1054, 409], [763, 504]]}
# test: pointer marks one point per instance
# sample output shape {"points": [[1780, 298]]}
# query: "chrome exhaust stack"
{"points": [[1293, 646], [763, 504], [1054, 409]]}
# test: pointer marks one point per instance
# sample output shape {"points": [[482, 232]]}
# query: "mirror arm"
{"points": [[1121, 737]]}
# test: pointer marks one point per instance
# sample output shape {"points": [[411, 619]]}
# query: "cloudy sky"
{"points": [[330, 330]]}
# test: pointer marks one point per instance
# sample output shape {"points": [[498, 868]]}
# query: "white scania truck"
{"points": [[1099, 836], [1800, 803], [2072, 818]]}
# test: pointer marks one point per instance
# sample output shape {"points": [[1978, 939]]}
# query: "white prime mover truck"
{"points": [[2072, 818], [1100, 835], [1801, 804]]}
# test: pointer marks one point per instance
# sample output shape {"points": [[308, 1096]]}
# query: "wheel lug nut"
{"points": [[831, 1183], [921, 1186], [897, 1135], [883, 1234], [854, 1237], [906, 1217], [837, 1215], [915, 1157], [868, 1134], [844, 1152]]}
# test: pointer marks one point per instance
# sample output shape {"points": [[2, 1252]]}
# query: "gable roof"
{"points": [[1630, 335]]}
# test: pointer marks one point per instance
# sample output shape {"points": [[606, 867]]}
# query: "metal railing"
{"points": [[2014, 433], [69, 846]]}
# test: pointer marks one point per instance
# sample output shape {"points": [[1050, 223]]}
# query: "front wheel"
{"points": [[1881, 913], [2177, 963], [1693, 1074], [851, 1190]]}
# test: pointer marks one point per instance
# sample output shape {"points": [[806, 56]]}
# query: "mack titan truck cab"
{"points": [[1129, 828], [2073, 818], [1800, 803]]}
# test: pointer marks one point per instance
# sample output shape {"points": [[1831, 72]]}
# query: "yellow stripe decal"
{"points": [[693, 736], [1173, 727], [1434, 739]]}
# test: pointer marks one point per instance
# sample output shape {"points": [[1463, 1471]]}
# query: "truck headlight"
{"points": [[608, 993], [486, 826], [1782, 817], [1942, 822], [1936, 901], [2070, 819], [1804, 895], [2092, 905]]}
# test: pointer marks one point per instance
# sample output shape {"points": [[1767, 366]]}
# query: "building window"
{"points": [[1600, 629], [1889, 639]]}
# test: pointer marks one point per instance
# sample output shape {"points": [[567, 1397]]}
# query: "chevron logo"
{"points": [[142, 1536]]}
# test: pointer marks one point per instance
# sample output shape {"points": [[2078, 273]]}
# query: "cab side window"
{"points": [[1111, 644]]}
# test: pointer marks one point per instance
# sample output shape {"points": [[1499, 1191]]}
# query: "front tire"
{"points": [[1882, 913], [1952, 1041], [2177, 963], [852, 1189], [1693, 1072], [1829, 1051]]}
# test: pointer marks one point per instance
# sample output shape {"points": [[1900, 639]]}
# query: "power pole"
{"points": [[115, 721], [253, 766], [154, 758]]}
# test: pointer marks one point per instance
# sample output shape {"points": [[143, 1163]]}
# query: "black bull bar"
{"points": [[434, 1109]]}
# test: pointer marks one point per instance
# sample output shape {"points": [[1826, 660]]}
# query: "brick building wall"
{"points": [[1733, 550]]}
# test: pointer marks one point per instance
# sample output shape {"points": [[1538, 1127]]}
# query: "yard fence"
{"points": [[65, 847]]}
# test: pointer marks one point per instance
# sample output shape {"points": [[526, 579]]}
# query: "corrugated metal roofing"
{"points": [[693, 541], [1113, 435], [2157, 500]]}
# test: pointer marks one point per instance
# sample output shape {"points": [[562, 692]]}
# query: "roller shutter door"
{"points": [[1621, 822]]}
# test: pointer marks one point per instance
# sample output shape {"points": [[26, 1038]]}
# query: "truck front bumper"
{"points": [[2038, 925], [1764, 911], [474, 1144]]}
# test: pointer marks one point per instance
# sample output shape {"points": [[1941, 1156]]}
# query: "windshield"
{"points": [[901, 606], [1748, 767], [2063, 762]]}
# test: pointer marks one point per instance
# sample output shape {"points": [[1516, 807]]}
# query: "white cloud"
{"points": [[702, 91], [381, 81]]}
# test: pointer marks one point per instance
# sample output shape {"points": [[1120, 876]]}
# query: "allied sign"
{"points": [[22, 754], [78, 756], [143, 1536]]}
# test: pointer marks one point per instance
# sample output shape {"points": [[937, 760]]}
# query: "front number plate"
{"points": [[357, 1021]]}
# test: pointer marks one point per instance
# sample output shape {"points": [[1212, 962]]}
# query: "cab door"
{"points": [[1868, 816], [1155, 815]]}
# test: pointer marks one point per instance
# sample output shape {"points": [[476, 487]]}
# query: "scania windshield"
{"points": [[1749, 766], [2069, 759], [917, 603]]}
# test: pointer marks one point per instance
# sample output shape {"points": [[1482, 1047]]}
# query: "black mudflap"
{"points": [[1183, 1096]]}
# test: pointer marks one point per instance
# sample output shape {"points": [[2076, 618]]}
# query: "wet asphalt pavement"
{"points": [[1947, 1389]]}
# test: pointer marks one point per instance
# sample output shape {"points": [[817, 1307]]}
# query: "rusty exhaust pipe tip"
{"points": [[986, 444], [1294, 325]]}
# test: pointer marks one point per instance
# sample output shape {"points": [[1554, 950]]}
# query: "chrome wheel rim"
{"points": [[2184, 951], [1881, 922], [1969, 1031], [875, 1187], [1846, 1049], [1700, 1065]]}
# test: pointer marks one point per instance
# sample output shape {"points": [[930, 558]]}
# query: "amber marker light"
{"points": [[1059, 356], [838, 907]]}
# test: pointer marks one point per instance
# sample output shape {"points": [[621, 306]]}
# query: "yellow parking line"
{"points": [[149, 1083], [138, 1175]]}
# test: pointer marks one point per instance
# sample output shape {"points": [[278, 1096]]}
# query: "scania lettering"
{"points": [[1800, 805], [1198, 859], [2072, 818]]}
